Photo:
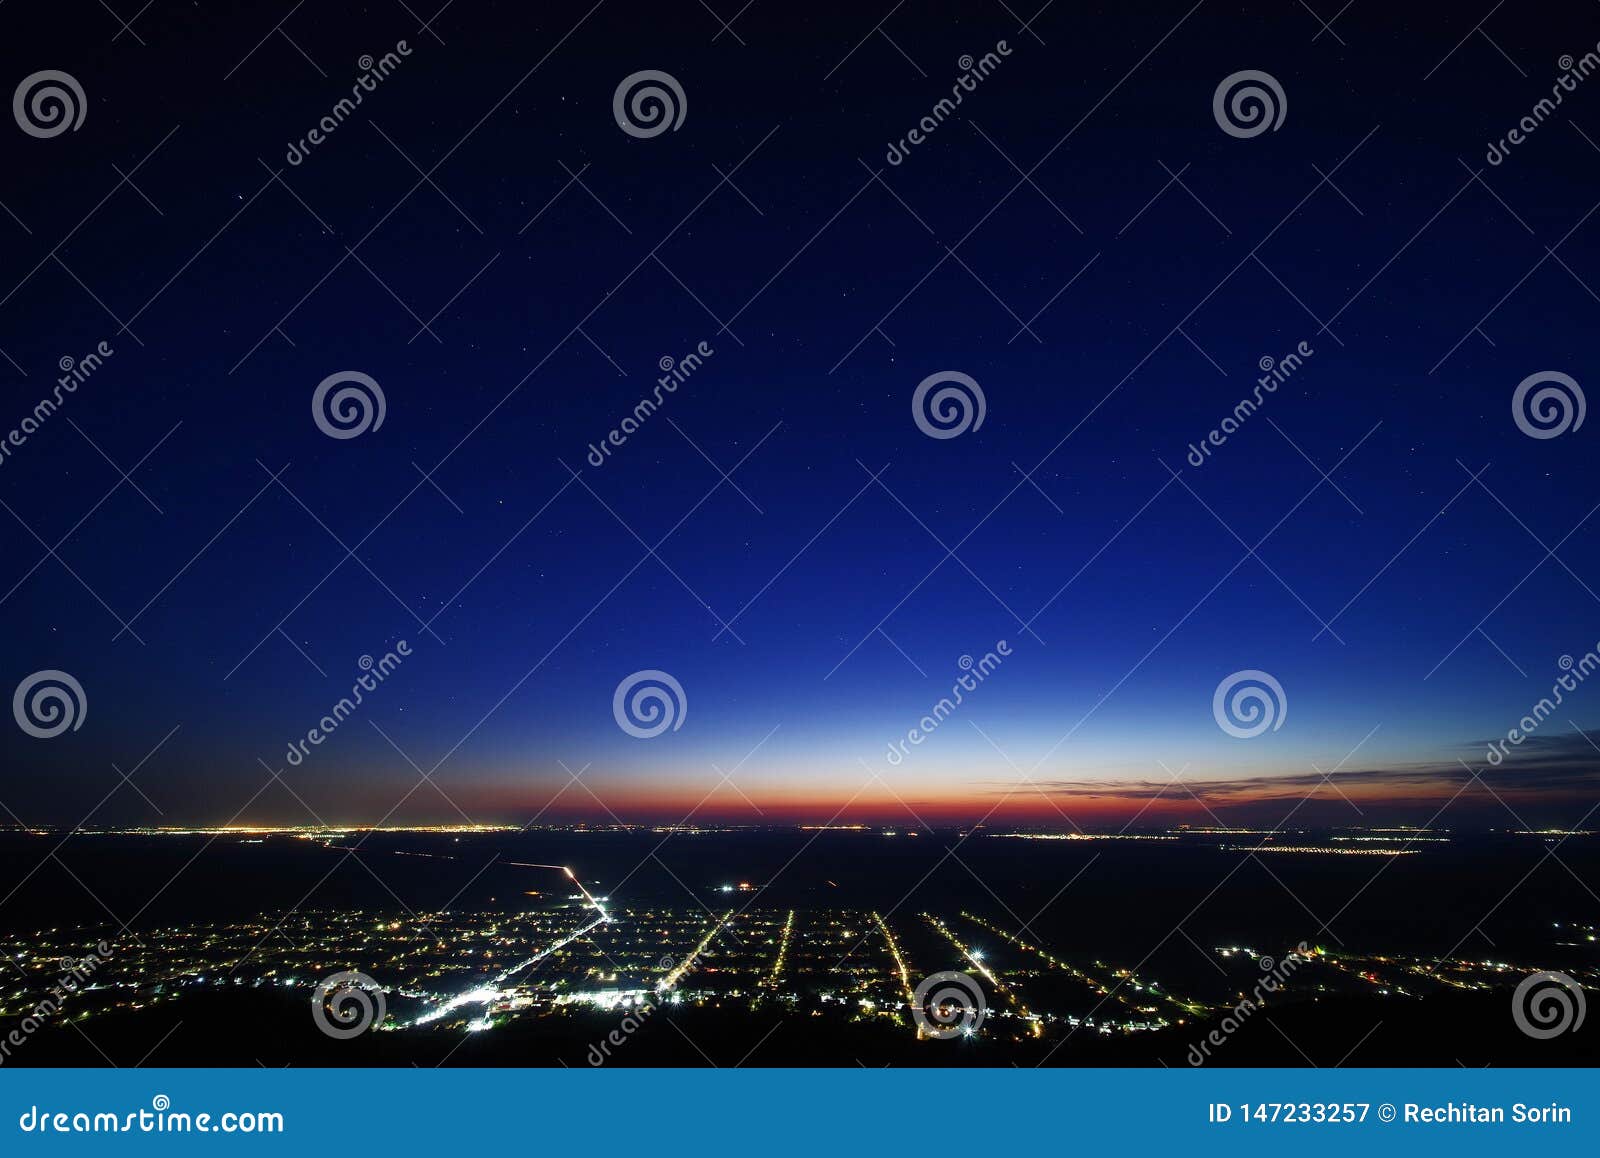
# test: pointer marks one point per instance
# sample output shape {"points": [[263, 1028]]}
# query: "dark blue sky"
{"points": [[554, 297]]}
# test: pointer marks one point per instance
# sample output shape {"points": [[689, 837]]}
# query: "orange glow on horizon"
{"points": [[1088, 806]]}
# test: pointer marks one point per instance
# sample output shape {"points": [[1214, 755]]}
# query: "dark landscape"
{"points": [[1110, 949]]}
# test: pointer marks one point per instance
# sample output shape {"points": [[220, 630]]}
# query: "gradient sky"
{"points": [[553, 342]]}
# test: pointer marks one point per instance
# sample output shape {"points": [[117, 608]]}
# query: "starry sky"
{"points": [[1081, 237]]}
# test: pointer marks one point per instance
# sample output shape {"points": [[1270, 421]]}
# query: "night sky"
{"points": [[1080, 237]]}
